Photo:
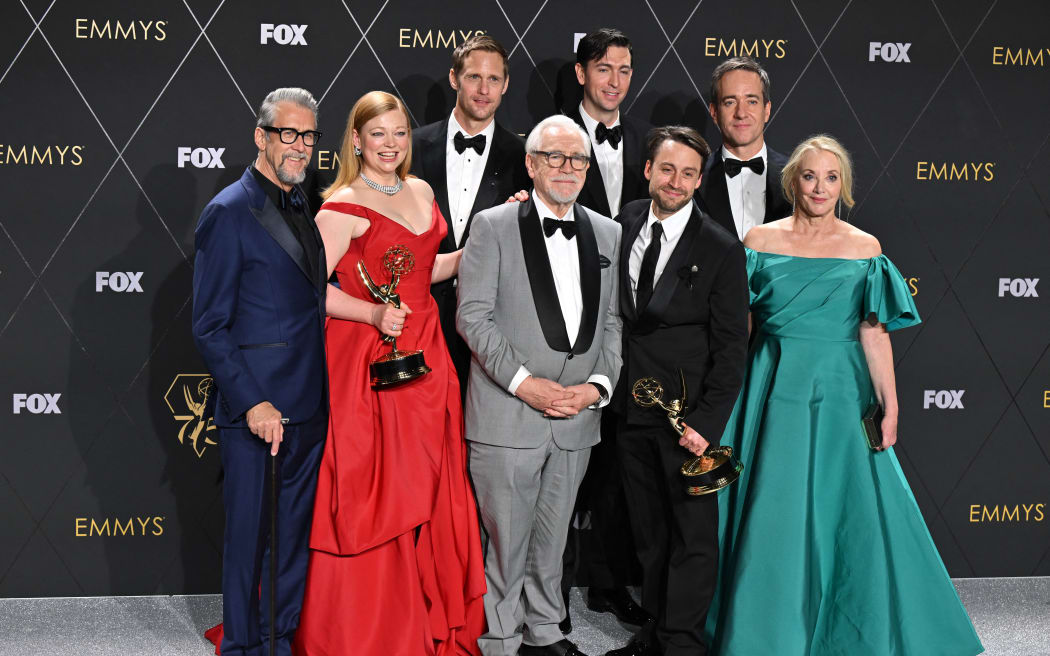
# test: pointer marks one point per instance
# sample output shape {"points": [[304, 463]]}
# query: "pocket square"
{"points": [[603, 262]]}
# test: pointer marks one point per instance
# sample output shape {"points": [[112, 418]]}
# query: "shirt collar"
{"points": [[727, 155], [272, 191], [543, 211], [454, 127], [592, 124], [673, 225]]}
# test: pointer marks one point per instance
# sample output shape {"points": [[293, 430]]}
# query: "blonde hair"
{"points": [[819, 142], [367, 107]]}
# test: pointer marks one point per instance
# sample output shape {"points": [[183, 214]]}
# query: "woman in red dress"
{"points": [[395, 563]]}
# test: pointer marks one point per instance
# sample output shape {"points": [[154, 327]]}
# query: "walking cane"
{"points": [[273, 551]]}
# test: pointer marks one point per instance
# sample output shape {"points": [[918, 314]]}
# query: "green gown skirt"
{"points": [[823, 548]]}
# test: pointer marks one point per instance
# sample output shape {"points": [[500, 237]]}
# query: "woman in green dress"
{"points": [[823, 548]]}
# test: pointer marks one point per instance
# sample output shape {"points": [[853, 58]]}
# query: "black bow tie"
{"points": [[293, 199], [733, 166], [614, 135], [477, 142], [551, 226]]}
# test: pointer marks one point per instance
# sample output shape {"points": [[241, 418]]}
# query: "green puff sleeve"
{"points": [[752, 264], [886, 295]]}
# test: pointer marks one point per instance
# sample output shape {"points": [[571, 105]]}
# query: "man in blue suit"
{"points": [[258, 320]]}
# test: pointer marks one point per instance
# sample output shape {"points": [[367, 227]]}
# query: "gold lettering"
{"points": [[781, 47], [938, 174], [914, 284], [61, 153], [990, 516], [959, 173], [1036, 60], [95, 529], [38, 157], [1027, 510], [1010, 516], [78, 28], [975, 516], [709, 46], [920, 170], [988, 174], [124, 529], [19, 158], [404, 38], [160, 30], [1046, 398], [723, 51], [81, 526], [449, 42], [143, 522], [423, 43], [95, 30], [1039, 508], [157, 528], [1013, 57], [121, 33], [752, 50]]}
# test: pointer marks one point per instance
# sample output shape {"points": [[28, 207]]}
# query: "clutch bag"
{"points": [[872, 423]]}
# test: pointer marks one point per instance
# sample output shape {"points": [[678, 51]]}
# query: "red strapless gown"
{"points": [[394, 464]]}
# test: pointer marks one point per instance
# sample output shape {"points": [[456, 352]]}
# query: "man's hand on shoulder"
{"points": [[519, 197], [264, 420], [541, 393]]}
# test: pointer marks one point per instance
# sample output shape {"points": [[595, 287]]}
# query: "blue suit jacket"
{"points": [[258, 315]]}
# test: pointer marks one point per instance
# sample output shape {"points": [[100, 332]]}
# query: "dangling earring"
{"points": [[357, 151], [838, 210], [792, 205]]}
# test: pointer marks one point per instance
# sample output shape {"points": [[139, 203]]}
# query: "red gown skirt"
{"points": [[395, 564]]}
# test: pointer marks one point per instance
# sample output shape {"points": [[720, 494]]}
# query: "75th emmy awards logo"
{"points": [[187, 398]]}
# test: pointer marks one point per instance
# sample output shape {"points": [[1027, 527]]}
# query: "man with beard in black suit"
{"points": [[741, 183], [471, 162], [684, 304]]}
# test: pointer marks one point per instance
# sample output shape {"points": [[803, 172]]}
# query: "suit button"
{"points": [[570, 357]]}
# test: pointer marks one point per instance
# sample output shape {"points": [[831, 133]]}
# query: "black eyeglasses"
{"points": [[289, 135], [556, 160]]}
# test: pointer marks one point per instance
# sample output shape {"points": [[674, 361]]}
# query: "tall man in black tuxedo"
{"points": [[741, 183], [684, 303], [604, 556], [471, 162]]}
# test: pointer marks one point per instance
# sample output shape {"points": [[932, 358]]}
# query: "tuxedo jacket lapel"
{"points": [[271, 220], [434, 170], [632, 175], [541, 279], [496, 166], [669, 279], [590, 279], [774, 194], [716, 195], [632, 226], [593, 193]]}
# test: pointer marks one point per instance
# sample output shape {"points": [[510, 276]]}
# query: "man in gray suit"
{"points": [[538, 309]]}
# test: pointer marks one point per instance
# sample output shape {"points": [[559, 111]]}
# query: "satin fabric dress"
{"points": [[823, 548], [396, 565]]}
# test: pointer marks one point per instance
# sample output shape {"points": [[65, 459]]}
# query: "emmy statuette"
{"points": [[396, 367], [705, 474]]}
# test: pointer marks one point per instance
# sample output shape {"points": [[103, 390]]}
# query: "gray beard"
{"points": [[288, 178]]}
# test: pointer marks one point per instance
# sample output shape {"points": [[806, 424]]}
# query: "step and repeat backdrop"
{"points": [[119, 121]]}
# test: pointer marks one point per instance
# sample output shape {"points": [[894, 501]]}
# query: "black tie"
{"points": [[613, 134], [648, 271], [733, 166], [477, 142], [551, 226]]}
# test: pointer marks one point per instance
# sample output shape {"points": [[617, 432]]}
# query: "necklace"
{"points": [[389, 190]]}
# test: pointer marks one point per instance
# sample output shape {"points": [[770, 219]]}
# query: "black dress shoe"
{"points": [[566, 624], [560, 648], [636, 648], [618, 602]]}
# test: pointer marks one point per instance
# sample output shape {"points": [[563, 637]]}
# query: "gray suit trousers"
{"points": [[526, 498]]}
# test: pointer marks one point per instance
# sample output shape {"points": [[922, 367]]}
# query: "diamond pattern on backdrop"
{"points": [[129, 203]]}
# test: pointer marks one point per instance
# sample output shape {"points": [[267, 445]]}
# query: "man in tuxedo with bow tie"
{"points": [[603, 556], [259, 289], [684, 303], [471, 163], [538, 308], [741, 184]]}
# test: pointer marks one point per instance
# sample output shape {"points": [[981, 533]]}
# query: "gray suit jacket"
{"points": [[510, 317]]}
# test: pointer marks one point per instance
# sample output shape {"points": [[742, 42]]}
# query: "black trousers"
{"points": [[676, 536], [600, 551]]}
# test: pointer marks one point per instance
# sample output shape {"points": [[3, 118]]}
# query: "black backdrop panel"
{"points": [[121, 121]]}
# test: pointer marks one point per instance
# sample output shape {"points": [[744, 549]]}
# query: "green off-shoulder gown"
{"points": [[823, 548]]}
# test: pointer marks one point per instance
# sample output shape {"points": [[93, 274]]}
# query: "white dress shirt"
{"points": [[610, 161], [564, 256], [747, 194], [673, 226], [463, 173]]}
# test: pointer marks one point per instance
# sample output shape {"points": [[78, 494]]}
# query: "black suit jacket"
{"points": [[504, 175], [714, 195], [635, 186], [696, 321]]}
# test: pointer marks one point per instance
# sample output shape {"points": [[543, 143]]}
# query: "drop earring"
{"points": [[357, 151]]}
